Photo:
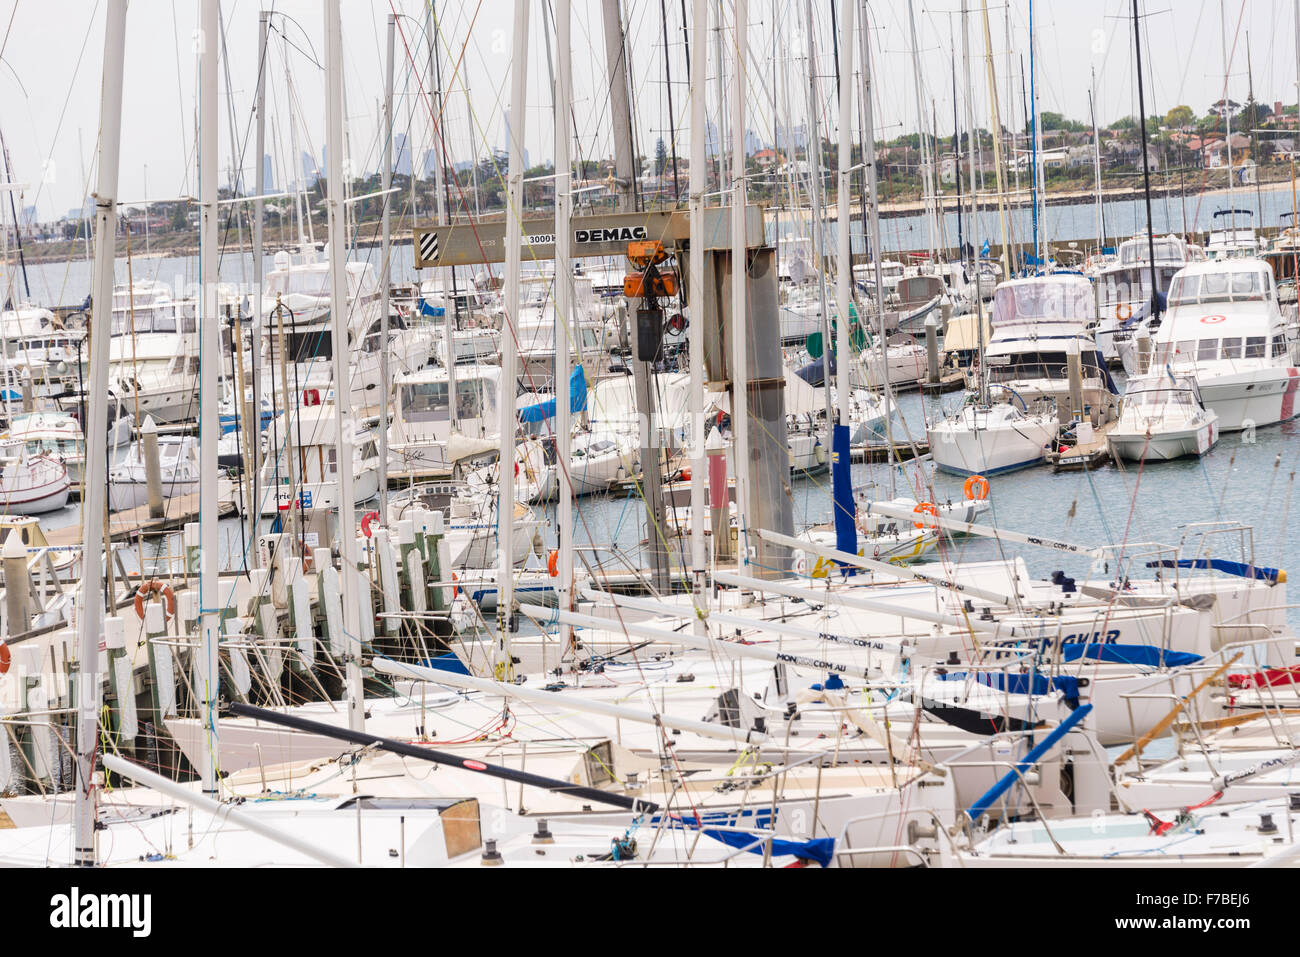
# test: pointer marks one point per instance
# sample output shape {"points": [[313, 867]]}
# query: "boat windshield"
{"points": [[1066, 298], [427, 401], [1165, 394], [1229, 286]]}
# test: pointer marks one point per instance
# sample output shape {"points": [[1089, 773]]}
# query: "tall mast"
{"points": [[1096, 161], [90, 622], [739, 291], [819, 217], [340, 310], [209, 373], [386, 272], [844, 276], [699, 69], [873, 187], [509, 344], [921, 127], [448, 276], [841, 463], [253, 449], [997, 143], [1227, 116], [564, 305], [1036, 143], [1146, 166]]}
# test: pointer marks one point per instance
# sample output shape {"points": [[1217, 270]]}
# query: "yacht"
{"points": [[422, 435], [296, 305], [1162, 418], [302, 453], [30, 484], [1037, 325], [178, 460], [1232, 235], [56, 434], [1124, 287], [1225, 330]]}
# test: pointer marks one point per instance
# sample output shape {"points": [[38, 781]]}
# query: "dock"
{"points": [[123, 526], [1085, 456], [880, 451], [952, 382]]}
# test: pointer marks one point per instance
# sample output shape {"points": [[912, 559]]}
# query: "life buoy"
{"points": [[367, 520], [925, 508], [5, 658], [976, 488], [553, 563], [686, 474], [155, 587], [1123, 311], [677, 324]]}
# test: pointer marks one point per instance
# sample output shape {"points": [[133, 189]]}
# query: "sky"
{"points": [[52, 54]]}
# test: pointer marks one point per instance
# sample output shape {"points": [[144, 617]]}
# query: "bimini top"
{"points": [[1060, 298]]}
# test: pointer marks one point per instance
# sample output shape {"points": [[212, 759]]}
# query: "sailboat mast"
{"points": [[386, 270], [818, 216], [90, 621], [844, 276], [695, 330], [921, 127], [340, 311], [997, 143], [253, 429], [509, 342], [739, 292], [1146, 165], [209, 373], [1096, 161], [564, 307]]}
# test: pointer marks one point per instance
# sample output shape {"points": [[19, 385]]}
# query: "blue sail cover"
{"points": [[428, 310], [1147, 656], [1035, 683], [846, 526], [1240, 569], [814, 372], [577, 399]]}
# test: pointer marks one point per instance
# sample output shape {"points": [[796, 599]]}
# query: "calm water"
{"points": [[1251, 483]]}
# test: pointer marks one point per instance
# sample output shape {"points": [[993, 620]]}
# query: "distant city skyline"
{"points": [[50, 116]]}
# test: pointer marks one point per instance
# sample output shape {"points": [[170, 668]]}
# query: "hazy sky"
{"points": [[52, 52]]}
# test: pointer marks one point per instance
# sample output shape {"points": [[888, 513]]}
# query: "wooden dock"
{"points": [[1084, 456], [952, 382], [879, 451], [124, 525]]}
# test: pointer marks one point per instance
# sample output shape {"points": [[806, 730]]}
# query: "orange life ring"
{"points": [[924, 508], [5, 657], [977, 488], [367, 520], [155, 587], [553, 563], [1123, 311]]}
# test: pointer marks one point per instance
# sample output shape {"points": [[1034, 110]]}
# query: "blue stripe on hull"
{"points": [[952, 470]]}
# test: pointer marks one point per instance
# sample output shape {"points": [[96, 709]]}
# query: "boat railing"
{"points": [[844, 849]]}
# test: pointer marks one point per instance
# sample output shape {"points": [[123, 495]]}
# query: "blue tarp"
{"points": [[1147, 656], [820, 850], [1240, 569], [1023, 683], [428, 310], [577, 399], [813, 372], [446, 662]]}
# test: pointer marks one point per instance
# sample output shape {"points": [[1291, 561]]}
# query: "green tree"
{"points": [[1180, 117], [661, 156]]}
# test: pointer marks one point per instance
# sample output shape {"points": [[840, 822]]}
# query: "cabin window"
{"points": [[1184, 289], [1254, 347], [1279, 347], [1232, 347], [469, 399], [425, 402], [1207, 350]]}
